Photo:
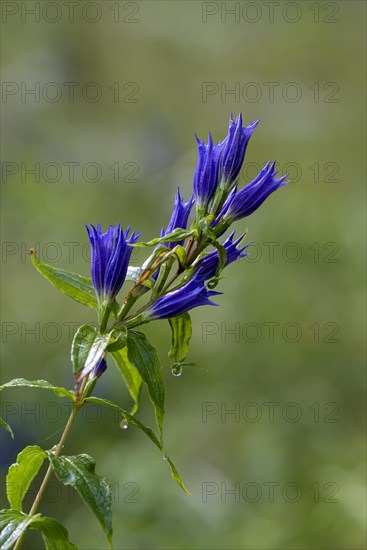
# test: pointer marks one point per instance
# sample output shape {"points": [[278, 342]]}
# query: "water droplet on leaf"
{"points": [[165, 456]]}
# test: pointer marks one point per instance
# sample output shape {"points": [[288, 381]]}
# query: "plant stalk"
{"points": [[46, 479]]}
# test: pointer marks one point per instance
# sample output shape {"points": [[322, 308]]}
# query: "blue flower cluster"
{"points": [[218, 203]]}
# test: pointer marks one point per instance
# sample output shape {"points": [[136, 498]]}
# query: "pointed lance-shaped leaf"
{"points": [[130, 374], [6, 427], [79, 472], [13, 525], [21, 474], [75, 286], [148, 431], [181, 335], [143, 357], [39, 384]]}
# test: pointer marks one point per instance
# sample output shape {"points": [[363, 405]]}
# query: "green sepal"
{"points": [[75, 286], [148, 431], [21, 474]]}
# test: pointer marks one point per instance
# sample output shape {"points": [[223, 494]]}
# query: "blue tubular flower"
{"points": [[206, 173], [99, 369], [180, 215], [192, 294], [110, 259], [208, 265], [240, 204], [234, 149]]}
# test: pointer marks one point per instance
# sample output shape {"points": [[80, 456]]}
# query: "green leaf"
{"points": [[82, 342], [143, 357], [73, 285], [128, 417], [175, 475], [41, 384], [118, 339], [6, 427], [181, 334], [21, 474], [177, 235], [12, 526], [54, 535], [148, 431], [78, 471], [14, 523], [130, 375], [87, 349]]}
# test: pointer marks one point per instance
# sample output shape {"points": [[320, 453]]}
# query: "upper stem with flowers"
{"points": [[218, 204]]}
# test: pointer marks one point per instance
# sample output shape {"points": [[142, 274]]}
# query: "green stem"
{"points": [[46, 479], [136, 321], [128, 304], [104, 318]]}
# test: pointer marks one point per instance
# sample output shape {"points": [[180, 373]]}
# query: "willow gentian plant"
{"points": [[180, 273]]}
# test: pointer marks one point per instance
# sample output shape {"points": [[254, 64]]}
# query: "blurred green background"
{"points": [[147, 75]]}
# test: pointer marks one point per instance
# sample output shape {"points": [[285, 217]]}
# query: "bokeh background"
{"points": [[119, 90]]}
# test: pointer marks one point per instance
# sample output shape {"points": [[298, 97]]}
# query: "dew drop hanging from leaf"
{"points": [[176, 370], [124, 424]]}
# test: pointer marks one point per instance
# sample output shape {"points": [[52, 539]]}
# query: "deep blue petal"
{"points": [[234, 149], [179, 217], [99, 369], [98, 263], [247, 200], [117, 264], [110, 259], [206, 173], [189, 296]]}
